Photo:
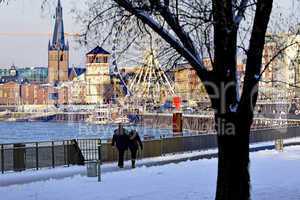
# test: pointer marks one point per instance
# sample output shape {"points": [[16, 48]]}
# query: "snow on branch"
{"points": [[146, 18], [241, 11], [173, 22]]}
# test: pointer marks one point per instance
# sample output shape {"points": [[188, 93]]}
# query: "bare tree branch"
{"points": [[147, 19]]}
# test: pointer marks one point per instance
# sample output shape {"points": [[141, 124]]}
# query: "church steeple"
{"points": [[58, 50], [58, 41]]}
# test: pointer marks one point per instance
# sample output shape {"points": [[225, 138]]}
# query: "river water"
{"points": [[12, 132]]}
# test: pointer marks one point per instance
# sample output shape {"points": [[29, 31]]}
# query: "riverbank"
{"points": [[188, 180]]}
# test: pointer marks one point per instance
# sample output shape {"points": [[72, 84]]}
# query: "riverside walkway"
{"points": [[63, 172]]}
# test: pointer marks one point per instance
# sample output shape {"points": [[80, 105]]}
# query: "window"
{"points": [[105, 59], [91, 59]]}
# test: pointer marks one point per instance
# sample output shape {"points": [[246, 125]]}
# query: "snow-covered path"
{"points": [[274, 176]]}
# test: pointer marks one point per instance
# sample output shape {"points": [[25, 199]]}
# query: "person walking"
{"points": [[134, 143], [120, 140]]}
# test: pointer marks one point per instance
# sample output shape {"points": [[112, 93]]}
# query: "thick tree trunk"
{"points": [[233, 168]]}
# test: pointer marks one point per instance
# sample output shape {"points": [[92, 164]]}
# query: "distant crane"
{"points": [[33, 34]]}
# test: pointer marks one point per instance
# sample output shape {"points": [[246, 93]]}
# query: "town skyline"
{"points": [[29, 25]]}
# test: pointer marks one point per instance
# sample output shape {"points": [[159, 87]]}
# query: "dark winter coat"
{"points": [[134, 140], [120, 140]]}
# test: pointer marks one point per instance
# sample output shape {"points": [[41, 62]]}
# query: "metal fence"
{"points": [[171, 145], [22, 156], [18, 157]]}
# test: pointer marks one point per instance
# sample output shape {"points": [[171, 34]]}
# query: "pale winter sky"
{"points": [[23, 33], [23, 28]]}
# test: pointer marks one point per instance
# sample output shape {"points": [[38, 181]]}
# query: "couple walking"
{"points": [[123, 140]]}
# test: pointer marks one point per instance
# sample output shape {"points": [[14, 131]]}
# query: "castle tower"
{"points": [[97, 76], [58, 51]]}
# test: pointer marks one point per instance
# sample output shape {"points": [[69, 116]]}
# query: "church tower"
{"points": [[58, 51]]}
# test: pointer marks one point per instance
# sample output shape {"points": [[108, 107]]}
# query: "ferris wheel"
{"points": [[150, 84]]}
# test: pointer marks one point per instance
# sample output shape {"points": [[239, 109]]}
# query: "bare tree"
{"points": [[196, 29]]}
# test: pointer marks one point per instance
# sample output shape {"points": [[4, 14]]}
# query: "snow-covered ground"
{"points": [[275, 175]]}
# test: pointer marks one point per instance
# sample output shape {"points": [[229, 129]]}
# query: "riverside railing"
{"points": [[36, 155], [17, 157], [180, 144]]}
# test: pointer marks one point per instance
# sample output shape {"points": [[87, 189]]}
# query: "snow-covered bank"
{"points": [[64, 172], [274, 176]]}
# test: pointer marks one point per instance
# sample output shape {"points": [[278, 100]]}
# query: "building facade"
{"points": [[187, 83], [281, 78], [10, 93], [35, 75], [4, 71], [77, 90], [34, 94], [97, 77]]}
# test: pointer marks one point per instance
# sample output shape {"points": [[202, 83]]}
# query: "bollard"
{"points": [[279, 144], [37, 156], [52, 154], [177, 123], [2, 159], [162, 145], [99, 160]]}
